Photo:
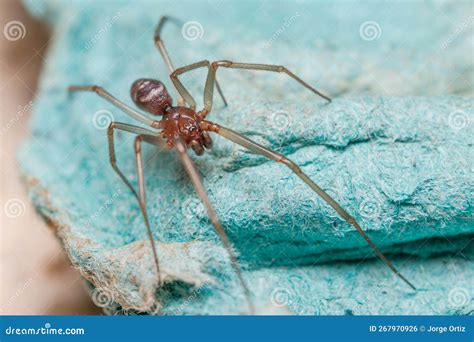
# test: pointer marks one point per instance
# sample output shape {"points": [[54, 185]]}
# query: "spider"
{"points": [[183, 127]]}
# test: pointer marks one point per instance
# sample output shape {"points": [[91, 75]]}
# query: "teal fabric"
{"points": [[394, 148]]}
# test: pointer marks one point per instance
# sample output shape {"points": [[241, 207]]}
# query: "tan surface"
{"points": [[35, 275]]}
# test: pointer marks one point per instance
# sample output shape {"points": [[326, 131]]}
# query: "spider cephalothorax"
{"points": [[184, 122]]}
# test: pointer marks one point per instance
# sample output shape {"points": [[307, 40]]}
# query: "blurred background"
{"points": [[36, 277]]}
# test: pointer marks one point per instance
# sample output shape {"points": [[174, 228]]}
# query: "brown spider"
{"points": [[183, 127]]}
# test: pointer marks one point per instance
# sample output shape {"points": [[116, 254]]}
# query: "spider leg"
{"points": [[211, 76], [259, 149], [159, 42], [182, 90], [196, 180], [146, 135], [166, 57], [179, 85], [117, 103]]}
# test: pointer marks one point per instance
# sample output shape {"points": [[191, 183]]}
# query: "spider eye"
{"points": [[151, 96]]}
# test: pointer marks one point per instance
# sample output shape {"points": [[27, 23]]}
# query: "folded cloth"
{"points": [[394, 148]]}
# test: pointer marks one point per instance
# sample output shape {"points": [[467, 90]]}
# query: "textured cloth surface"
{"points": [[394, 149]]}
